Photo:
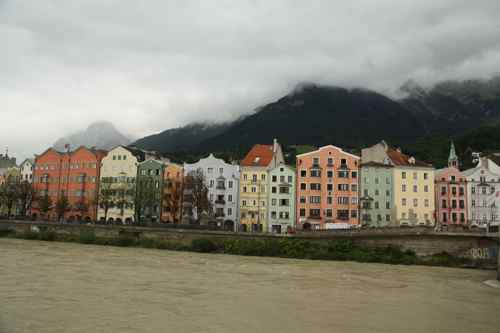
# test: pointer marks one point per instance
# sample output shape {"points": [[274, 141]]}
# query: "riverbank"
{"points": [[282, 247]]}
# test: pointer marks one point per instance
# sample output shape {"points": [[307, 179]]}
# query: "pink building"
{"points": [[327, 188], [451, 194]]}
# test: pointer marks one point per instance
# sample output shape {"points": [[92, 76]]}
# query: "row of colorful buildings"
{"points": [[328, 188]]}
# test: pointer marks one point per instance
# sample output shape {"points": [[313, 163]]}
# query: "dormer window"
{"points": [[256, 160], [411, 160]]}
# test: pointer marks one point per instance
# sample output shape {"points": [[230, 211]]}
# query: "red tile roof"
{"points": [[259, 155], [400, 159]]}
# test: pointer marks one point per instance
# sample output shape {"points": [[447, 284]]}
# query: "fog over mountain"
{"points": [[101, 135], [150, 66]]}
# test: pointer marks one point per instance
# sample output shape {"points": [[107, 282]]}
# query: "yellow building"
{"points": [[254, 185]]}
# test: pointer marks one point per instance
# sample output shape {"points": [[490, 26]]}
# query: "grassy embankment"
{"points": [[343, 250]]}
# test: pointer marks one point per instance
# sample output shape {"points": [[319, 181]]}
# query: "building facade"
{"points": [[376, 194], [412, 185], [483, 192], [254, 185], [173, 187], [149, 191], [281, 199], [222, 180], [72, 175], [327, 188], [451, 194], [26, 169], [117, 185]]}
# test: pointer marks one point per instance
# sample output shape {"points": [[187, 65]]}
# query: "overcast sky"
{"points": [[150, 65]]}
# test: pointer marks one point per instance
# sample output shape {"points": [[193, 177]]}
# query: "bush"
{"points": [[123, 241], [203, 245], [87, 237], [47, 235]]}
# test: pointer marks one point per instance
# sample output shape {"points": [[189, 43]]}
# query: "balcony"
{"points": [[220, 187], [220, 202]]}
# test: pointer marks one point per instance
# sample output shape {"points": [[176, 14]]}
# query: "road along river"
{"points": [[66, 287]]}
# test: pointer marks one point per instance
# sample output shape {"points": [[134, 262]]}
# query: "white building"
{"points": [[483, 191], [281, 202], [118, 175], [26, 169], [222, 181]]}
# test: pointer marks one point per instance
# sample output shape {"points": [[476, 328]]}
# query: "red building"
{"points": [[73, 175]]}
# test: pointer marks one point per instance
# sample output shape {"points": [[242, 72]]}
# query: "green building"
{"points": [[149, 191], [376, 194], [281, 203]]}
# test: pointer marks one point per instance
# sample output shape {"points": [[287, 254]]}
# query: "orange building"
{"points": [[172, 193], [327, 188], [74, 175]]}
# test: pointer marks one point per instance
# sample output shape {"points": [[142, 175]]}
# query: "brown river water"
{"points": [[63, 287]]}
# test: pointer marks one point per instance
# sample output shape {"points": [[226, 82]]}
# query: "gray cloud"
{"points": [[148, 66]]}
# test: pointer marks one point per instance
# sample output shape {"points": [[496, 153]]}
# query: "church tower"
{"points": [[453, 159]]}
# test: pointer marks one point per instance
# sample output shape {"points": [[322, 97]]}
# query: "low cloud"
{"points": [[148, 66]]}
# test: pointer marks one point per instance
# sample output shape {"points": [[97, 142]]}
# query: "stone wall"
{"points": [[423, 241]]}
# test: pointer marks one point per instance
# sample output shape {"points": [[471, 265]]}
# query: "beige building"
{"points": [[118, 177], [254, 185]]}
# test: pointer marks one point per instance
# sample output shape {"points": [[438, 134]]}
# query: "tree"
{"points": [[26, 197], [173, 199], [195, 182], [105, 198], [44, 204], [144, 196], [9, 194], [62, 206]]}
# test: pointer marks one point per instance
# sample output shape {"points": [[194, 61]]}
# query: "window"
{"points": [[273, 189], [473, 190], [376, 205], [415, 188], [387, 193], [230, 198], [284, 202], [315, 173], [354, 187], [377, 192], [454, 190], [445, 217], [330, 161], [403, 175], [282, 179], [303, 173], [376, 180], [254, 189], [273, 202], [426, 175], [302, 199], [403, 188], [314, 212], [315, 161], [415, 175], [210, 170], [415, 202], [244, 189], [329, 213], [302, 186], [403, 202], [315, 186], [426, 188], [388, 218], [245, 177], [273, 215], [274, 179], [354, 174], [302, 212], [343, 174], [230, 184], [329, 200], [343, 214], [387, 205], [290, 179], [229, 211], [343, 200], [314, 199], [329, 187], [426, 202], [343, 187], [263, 177], [473, 203]]}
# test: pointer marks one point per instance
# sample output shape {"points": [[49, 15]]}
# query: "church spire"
{"points": [[453, 159]]}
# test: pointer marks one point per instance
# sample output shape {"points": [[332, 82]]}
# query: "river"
{"points": [[64, 287]]}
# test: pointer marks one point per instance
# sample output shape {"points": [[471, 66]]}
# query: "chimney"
{"points": [[398, 149], [275, 145]]}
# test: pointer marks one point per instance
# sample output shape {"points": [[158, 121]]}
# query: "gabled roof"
{"points": [[376, 164], [259, 155], [328, 147], [400, 159]]}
